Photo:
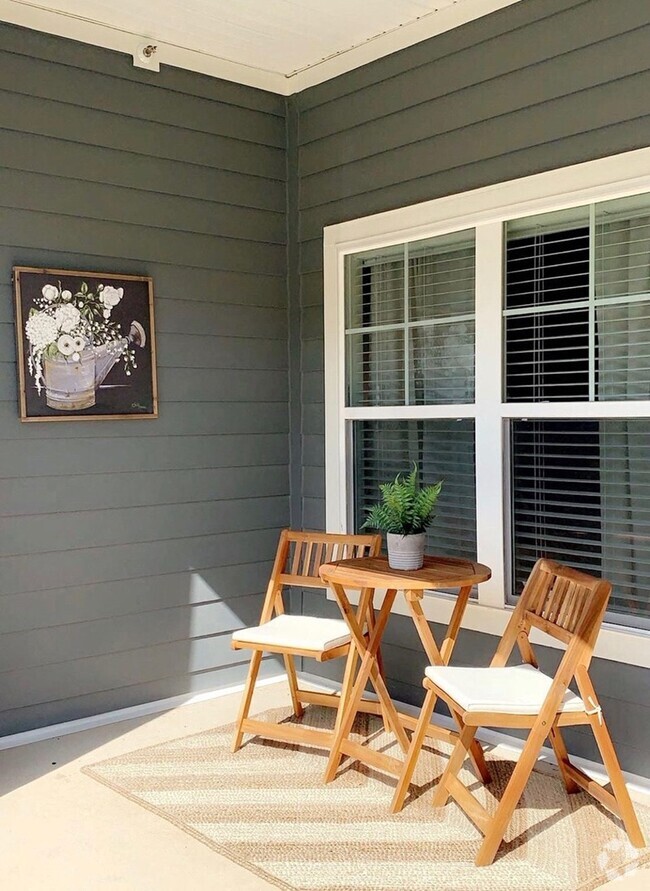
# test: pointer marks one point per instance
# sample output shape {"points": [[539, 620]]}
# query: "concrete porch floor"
{"points": [[63, 831]]}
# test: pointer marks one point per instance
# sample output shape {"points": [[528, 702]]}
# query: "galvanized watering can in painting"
{"points": [[71, 381]]}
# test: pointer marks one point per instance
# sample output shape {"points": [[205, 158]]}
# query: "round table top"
{"points": [[374, 572]]}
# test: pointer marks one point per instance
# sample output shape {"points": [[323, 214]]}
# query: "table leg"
{"points": [[371, 620], [443, 655], [453, 628], [368, 669], [376, 679]]}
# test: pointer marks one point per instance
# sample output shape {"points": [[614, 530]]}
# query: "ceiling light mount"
{"points": [[145, 55]]}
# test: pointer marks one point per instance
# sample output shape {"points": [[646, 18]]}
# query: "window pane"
{"points": [[442, 363], [547, 347], [376, 368], [622, 270], [375, 288], [441, 276], [623, 247], [547, 357], [581, 495], [547, 259], [384, 309], [623, 350], [442, 449]]}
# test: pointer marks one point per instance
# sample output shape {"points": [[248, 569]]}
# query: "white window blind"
{"points": [[581, 495], [577, 304], [442, 449], [577, 329]]}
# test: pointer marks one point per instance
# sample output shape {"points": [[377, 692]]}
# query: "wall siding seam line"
{"points": [[137, 506], [148, 262], [146, 226], [139, 612], [440, 173], [176, 196], [133, 81], [147, 506], [459, 129], [175, 127], [124, 687], [160, 122], [270, 658], [163, 642], [152, 470], [452, 51], [358, 126], [144, 541], [180, 196], [222, 168], [137, 578]]}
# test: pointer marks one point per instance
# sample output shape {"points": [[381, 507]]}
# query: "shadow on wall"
{"points": [[196, 658]]}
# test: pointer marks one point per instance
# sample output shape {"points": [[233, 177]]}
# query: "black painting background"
{"points": [[119, 394]]}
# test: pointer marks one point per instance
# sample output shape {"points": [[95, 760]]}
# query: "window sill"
{"points": [[617, 643]]}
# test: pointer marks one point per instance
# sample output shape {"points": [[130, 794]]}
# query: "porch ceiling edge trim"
{"points": [[31, 15]]}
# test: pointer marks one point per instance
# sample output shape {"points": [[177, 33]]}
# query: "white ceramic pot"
{"points": [[405, 551]]}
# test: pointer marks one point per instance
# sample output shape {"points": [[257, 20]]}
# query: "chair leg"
{"points": [[512, 794], [346, 687], [414, 750], [290, 668], [562, 758], [613, 768], [244, 708], [461, 751]]}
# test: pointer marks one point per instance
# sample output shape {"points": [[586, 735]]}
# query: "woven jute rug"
{"points": [[266, 808]]}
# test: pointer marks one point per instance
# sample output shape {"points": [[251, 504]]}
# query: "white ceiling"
{"points": [[280, 45]]}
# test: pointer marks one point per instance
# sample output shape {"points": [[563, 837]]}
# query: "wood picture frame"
{"points": [[86, 346]]}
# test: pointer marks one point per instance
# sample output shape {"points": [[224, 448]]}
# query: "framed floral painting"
{"points": [[86, 345]]}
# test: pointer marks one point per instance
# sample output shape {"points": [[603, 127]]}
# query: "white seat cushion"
{"points": [[297, 632], [513, 690]]}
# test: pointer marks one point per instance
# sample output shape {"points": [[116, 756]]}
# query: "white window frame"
{"points": [[484, 210]]}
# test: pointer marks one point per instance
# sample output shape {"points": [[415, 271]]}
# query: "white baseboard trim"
{"points": [[124, 714], [639, 786]]}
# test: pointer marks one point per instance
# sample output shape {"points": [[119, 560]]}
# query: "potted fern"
{"points": [[404, 514]]}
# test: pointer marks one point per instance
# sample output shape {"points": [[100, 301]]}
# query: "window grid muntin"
{"points": [[460, 241]]}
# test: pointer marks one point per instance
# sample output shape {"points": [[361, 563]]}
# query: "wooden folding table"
{"points": [[369, 575]]}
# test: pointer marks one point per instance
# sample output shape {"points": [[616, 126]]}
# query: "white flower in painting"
{"points": [[110, 297], [66, 295], [79, 343], [66, 346], [50, 292], [107, 313], [41, 330], [67, 317]]}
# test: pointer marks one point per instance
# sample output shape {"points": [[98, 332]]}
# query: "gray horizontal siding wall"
{"points": [[129, 550], [539, 85]]}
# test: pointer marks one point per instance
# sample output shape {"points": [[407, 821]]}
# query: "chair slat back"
{"points": [[307, 551], [562, 602], [301, 554]]}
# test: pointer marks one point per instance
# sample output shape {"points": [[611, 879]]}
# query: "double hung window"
{"points": [[409, 346], [505, 350]]}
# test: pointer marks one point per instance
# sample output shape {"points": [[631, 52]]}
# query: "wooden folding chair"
{"points": [[569, 606], [299, 557]]}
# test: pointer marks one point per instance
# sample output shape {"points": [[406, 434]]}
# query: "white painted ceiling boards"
{"points": [[280, 45]]}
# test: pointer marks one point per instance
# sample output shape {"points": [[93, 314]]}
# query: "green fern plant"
{"points": [[405, 507]]}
